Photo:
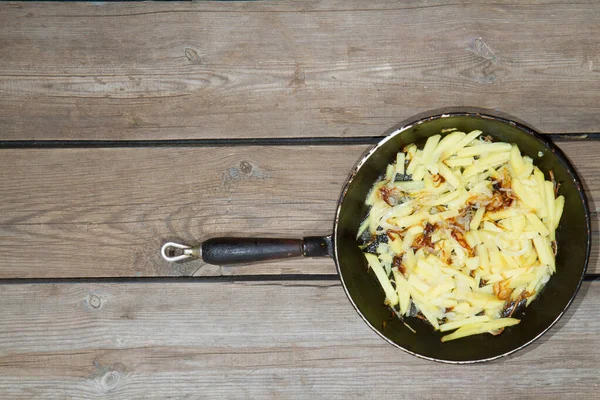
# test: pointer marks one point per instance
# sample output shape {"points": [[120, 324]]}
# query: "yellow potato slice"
{"points": [[429, 148], [483, 149], [414, 162], [383, 279], [396, 245], [480, 327], [447, 143], [419, 173], [516, 161], [484, 260], [390, 173], [399, 211], [409, 186], [374, 194], [523, 194], [400, 161], [551, 207], [409, 259], [539, 178], [461, 144], [459, 162], [446, 198], [417, 283], [518, 223], [403, 291], [411, 220], [450, 177], [559, 205], [467, 321], [476, 221], [544, 251], [537, 224]]}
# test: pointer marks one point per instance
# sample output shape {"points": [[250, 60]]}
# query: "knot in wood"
{"points": [[246, 167], [110, 380], [192, 55], [95, 301]]}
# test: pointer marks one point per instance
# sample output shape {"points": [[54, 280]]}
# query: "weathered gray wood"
{"points": [[256, 340], [105, 212], [318, 68], [247, 70]]}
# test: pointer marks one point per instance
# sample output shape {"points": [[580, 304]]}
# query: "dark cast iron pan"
{"points": [[365, 294]]}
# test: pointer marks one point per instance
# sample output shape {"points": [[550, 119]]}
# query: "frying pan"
{"points": [[363, 291]]}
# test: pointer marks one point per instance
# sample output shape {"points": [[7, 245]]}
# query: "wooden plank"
{"points": [[256, 340], [317, 68], [106, 212]]}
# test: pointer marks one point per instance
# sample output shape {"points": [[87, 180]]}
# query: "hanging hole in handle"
{"points": [[175, 252]]}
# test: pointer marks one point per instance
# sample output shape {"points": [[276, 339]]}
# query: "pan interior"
{"points": [[571, 261]]}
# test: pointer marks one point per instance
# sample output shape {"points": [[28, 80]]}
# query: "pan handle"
{"points": [[228, 250]]}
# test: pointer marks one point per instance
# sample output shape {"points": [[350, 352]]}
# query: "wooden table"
{"points": [[125, 125]]}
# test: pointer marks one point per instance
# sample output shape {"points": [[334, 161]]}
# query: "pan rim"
{"points": [[549, 145]]}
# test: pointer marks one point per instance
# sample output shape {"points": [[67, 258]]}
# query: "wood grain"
{"points": [[256, 340], [106, 212], [315, 68]]}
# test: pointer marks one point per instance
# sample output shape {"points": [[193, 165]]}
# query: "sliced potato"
{"points": [[399, 211], [396, 245], [411, 220], [450, 177], [414, 161], [377, 212], [429, 148], [400, 161], [480, 327], [539, 178], [467, 321], [493, 160], [523, 194], [559, 205], [544, 251], [447, 143], [471, 239], [390, 173], [551, 207], [484, 149], [445, 199], [417, 283], [467, 248], [461, 144], [363, 227], [419, 173], [484, 260], [403, 292], [537, 224], [409, 186], [518, 223], [409, 259], [374, 194], [383, 279], [459, 162], [476, 221], [503, 214], [516, 161]]}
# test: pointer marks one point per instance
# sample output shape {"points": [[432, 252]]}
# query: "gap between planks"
{"points": [[291, 141], [196, 279]]}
